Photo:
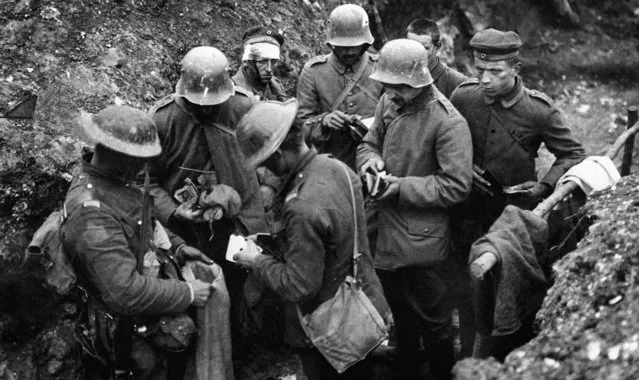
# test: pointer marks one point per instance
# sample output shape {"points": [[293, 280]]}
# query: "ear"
{"points": [[438, 45], [517, 68]]}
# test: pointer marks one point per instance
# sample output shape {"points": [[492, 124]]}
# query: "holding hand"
{"points": [[246, 257], [202, 290], [189, 212], [480, 183], [374, 164], [531, 190], [335, 120], [188, 253], [392, 191]]}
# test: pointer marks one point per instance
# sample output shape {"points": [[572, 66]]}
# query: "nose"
{"points": [[484, 78]]}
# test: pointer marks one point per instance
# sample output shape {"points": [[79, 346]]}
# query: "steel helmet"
{"points": [[263, 128], [205, 77], [123, 129], [348, 26], [403, 61]]}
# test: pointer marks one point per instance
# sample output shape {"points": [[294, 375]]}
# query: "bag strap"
{"points": [[510, 132], [349, 87], [356, 253]]}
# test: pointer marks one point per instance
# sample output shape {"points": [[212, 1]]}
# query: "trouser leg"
{"points": [[316, 367], [417, 299]]}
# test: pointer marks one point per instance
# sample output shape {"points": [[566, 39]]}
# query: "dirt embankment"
{"points": [[85, 55]]}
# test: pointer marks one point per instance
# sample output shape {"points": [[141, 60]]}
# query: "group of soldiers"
{"points": [[263, 163]]}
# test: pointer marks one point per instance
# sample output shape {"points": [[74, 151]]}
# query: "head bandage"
{"points": [[260, 50]]}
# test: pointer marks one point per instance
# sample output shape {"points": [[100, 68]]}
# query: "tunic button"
{"points": [[351, 104], [89, 186], [139, 222], [426, 230], [333, 280], [300, 175]]}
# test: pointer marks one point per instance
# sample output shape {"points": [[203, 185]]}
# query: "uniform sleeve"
{"points": [[452, 182], [559, 141], [307, 96], [371, 145], [299, 277], [100, 249], [164, 203]]}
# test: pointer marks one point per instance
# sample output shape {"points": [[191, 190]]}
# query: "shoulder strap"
{"points": [[511, 132], [356, 253], [349, 87]]}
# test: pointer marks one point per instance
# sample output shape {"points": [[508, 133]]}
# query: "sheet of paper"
{"points": [[368, 122], [236, 242]]}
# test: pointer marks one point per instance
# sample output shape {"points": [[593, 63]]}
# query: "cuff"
{"points": [[191, 292]]}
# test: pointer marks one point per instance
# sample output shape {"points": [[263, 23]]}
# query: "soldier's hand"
{"points": [[188, 253], [268, 196], [480, 183], [392, 191], [202, 290], [375, 165], [189, 212], [335, 120], [530, 190], [246, 257]]}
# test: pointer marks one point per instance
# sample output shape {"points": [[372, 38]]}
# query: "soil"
{"points": [[84, 55]]}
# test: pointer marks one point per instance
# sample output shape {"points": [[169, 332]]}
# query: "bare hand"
{"points": [[392, 190], [189, 212], [335, 120], [246, 257], [480, 183], [375, 164], [202, 290], [188, 253], [530, 190], [268, 196]]}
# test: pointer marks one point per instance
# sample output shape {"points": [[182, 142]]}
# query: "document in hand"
{"points": [[236, 243], [375, 183]]}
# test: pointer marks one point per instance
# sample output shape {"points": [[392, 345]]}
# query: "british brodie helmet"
{"points": [[403, 61], [261, 131], [123, 129], [205, 77], [348, 26]]}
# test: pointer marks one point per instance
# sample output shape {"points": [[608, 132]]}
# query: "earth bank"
{"points": [[85, 55]]}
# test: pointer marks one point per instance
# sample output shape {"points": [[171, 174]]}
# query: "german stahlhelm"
{"points": [[205, 77], [123, 129], [348, 26], [261, 131], [403, 61]]}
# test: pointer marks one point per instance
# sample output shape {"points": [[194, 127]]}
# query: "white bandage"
{"points": [[260, 50]]}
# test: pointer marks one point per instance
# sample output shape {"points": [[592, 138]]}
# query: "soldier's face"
{"points": [[276, 164], [428, 44], [496, 77], [401, 94], [264, 68], [349, 55]]}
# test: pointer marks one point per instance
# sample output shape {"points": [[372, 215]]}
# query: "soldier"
{"points": [[102, 235], [196, 128], [508, 123], [334, 88], [426, 32], [423, 143], [261, 56], [316, 205]]}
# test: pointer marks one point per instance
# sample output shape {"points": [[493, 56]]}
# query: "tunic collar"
{"points": [[301, 164], [94, 171], [437, 69], [425, 97], [511, 98], [341, 68]]}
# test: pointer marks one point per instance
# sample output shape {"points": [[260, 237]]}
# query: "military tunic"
{"points": [[321, 82], [507, 133], [427, 145], [190, 142], [318, 226], [445, 78]]}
